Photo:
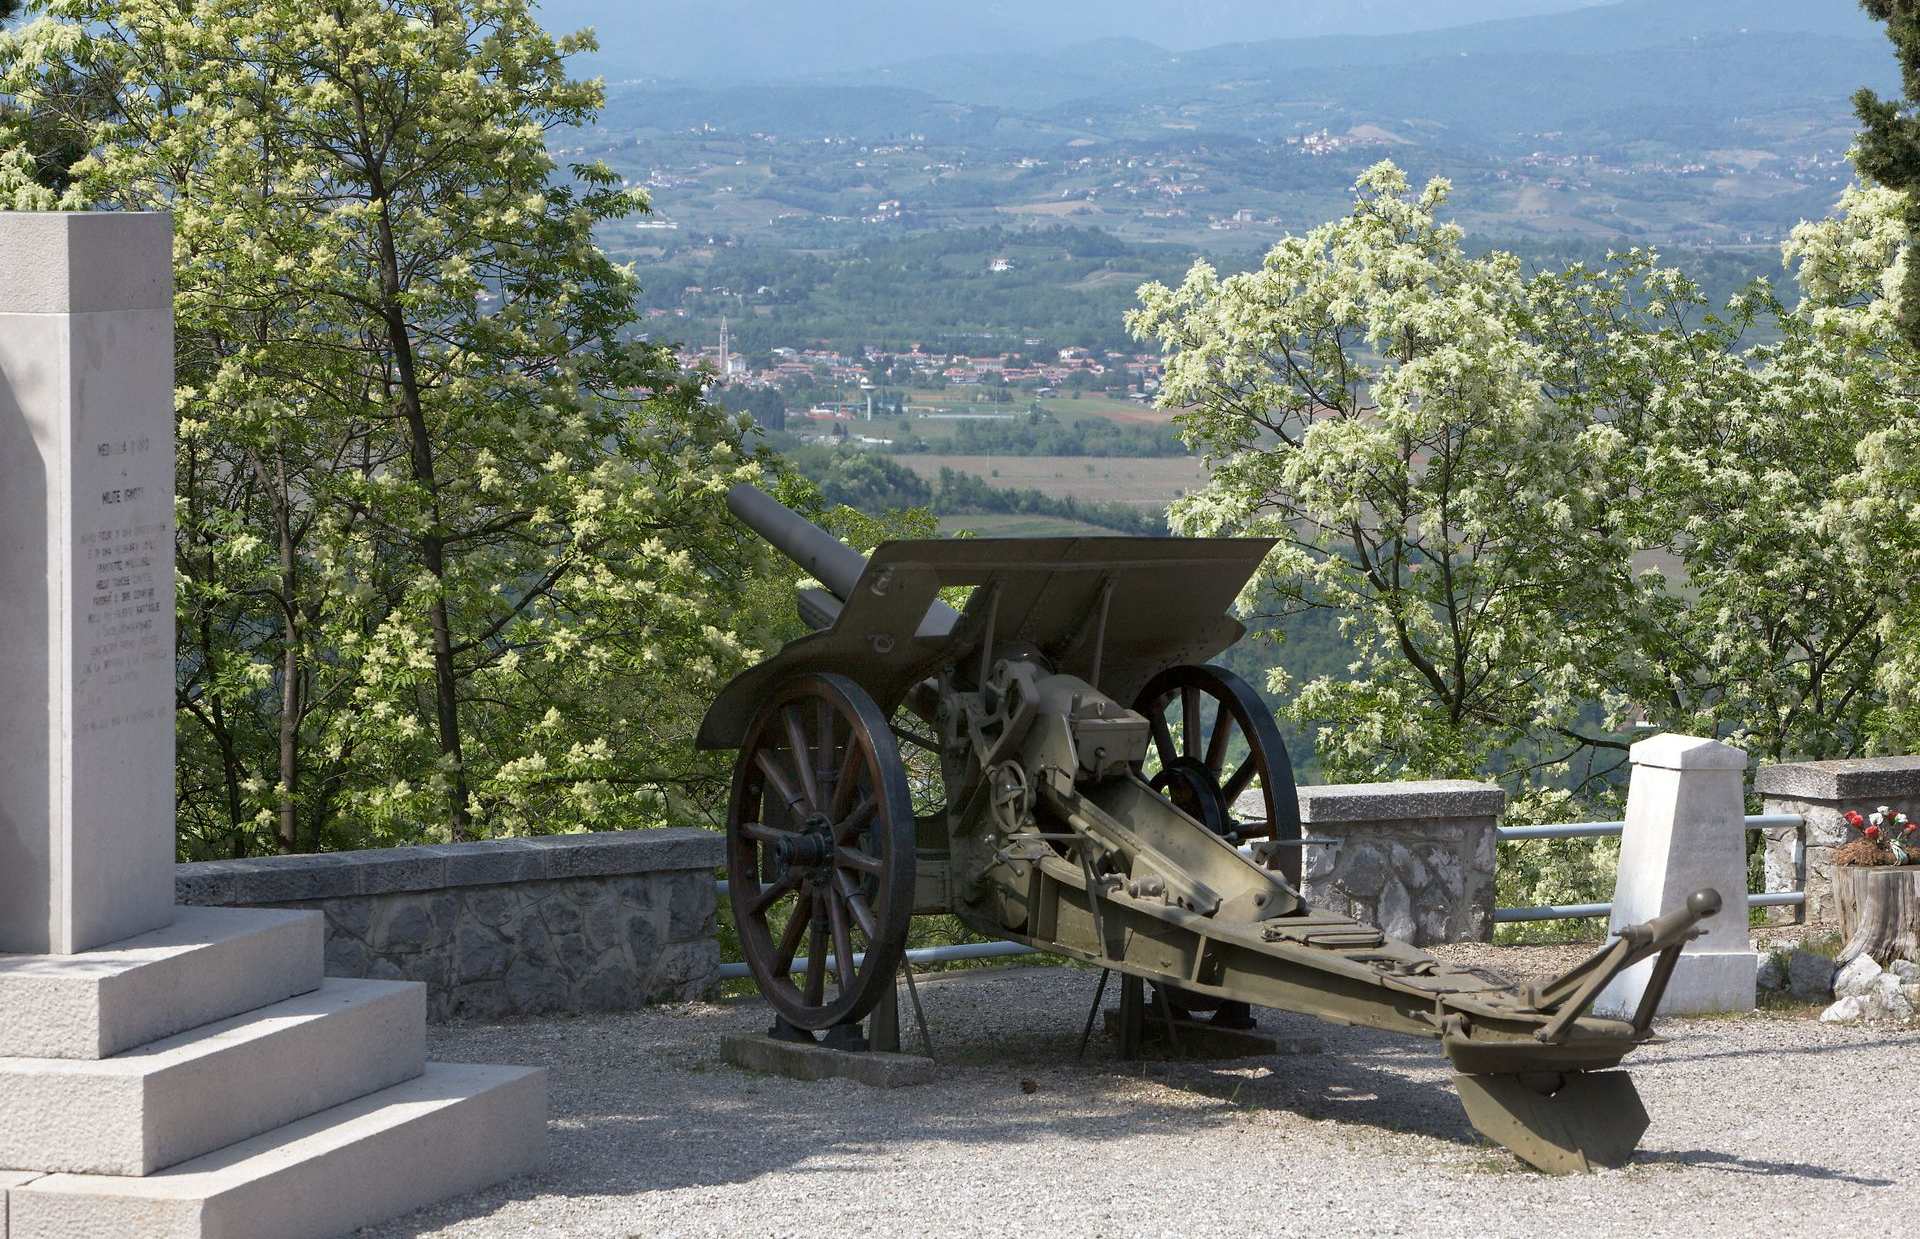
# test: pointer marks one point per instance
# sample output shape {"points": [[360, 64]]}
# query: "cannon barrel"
{"points": [[831, 562]]}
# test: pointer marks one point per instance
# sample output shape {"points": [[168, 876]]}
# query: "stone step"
{"points": [[206, 1088], [209, 964], [454, 1129], [11, 1179]]}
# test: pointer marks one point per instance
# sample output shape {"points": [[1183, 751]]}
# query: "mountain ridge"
{"points": [[732, 42]]}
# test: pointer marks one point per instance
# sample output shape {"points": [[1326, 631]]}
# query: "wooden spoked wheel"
{"points": [[1210, 706], [1196, 770], [820, 851]]}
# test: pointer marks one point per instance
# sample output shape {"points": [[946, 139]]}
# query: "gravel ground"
{"points": [[1770, 1123]]}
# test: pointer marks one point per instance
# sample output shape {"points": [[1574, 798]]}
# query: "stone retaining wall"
{"points": [[1822, 792], [1414, 858], [589, 922]]}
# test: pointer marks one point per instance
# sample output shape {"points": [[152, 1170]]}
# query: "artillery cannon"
{"points": [[1091, 760]]}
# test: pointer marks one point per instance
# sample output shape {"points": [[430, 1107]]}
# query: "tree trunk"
{"points": [[291, 705], [433, 544], [1879, 911]]}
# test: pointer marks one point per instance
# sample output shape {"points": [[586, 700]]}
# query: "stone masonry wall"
{"points": [[1414, 858], [1822, 792], [561, 923]]}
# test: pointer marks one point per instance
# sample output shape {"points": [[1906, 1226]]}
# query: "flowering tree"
{"points": [[1754, 618], [1371, 396], [1547, 508], [452, 557], [1854, 272], [1889, 147]]}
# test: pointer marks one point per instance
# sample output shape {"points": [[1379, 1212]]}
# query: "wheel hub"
{"points": [[1193, 790], [810, 847]]}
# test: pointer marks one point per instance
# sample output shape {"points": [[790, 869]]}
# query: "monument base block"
{"points": [[204, 1089], [454, 1129], [209, 964], [1708, 983], [10, 1179]]}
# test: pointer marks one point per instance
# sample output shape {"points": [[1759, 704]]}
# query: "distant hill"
{"points": [[730, 41], [1695, 122], [1109, 67], [1678, 73]]}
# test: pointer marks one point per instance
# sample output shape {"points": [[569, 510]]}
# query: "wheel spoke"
{"points": [[1162, 737], [802, 758], [790, 939], [842, 942], [760, 832], [816, 991], [854, 822], [849, 858], [769, 894], [848, 780], [824, 716], [1217, 743], [1232, 788], [857, 904], [1189, 720], [771, 773]]}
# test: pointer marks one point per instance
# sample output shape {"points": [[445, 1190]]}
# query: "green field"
{"points": [[1148, 482], [1010, 525]]}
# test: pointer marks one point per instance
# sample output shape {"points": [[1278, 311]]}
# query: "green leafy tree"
{"points": [[1753, 616], [452, 558]]}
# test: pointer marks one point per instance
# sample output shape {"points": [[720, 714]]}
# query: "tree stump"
{"points": [[1879, 911]]}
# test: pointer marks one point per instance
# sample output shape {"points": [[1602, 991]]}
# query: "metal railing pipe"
{"points": [[918, 955]]}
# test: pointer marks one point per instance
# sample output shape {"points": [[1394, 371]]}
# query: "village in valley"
{"points": [[841, 390]]}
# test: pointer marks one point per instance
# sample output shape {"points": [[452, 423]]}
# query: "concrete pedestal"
{"points": [[453, 1129], [189, 1064], [1686, 831], [1413, 858]]}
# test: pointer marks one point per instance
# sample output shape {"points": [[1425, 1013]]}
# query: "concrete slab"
{"points": [[210, 963], [800, 1061], [1204, 1040], [204, 1089], [454, 1129]]}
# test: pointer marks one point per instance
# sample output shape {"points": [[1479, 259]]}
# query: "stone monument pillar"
{"points": [[86, 580], [1686, 830], [180, 1071]]}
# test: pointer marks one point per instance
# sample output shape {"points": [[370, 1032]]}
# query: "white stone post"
{"points": [[86, 579], [1686, 831]]}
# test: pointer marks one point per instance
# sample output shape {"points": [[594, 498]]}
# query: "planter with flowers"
{"points": [[1876, 886]]}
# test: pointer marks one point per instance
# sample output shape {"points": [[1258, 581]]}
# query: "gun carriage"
{"points": [[1091, 760]]}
